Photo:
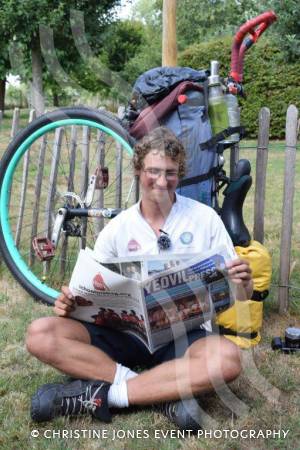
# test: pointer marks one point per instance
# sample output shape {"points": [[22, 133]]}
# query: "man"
{"points": [[161, 222]]}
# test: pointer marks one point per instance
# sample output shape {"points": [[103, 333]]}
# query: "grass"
{"points": [[268, 389]]}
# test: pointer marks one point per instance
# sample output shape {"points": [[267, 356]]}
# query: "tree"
{"points": [[4, 70], [196, 22], [200, 21], [21, 21], [287, 29], [120, 42], [149, 14]]}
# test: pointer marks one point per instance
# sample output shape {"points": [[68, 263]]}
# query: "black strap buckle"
{"points": [[198, 178], [223, 135], [259, 296], [223, 331]]}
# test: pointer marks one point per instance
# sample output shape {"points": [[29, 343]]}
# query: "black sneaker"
{"points": [[186, 414], [78, 397]]}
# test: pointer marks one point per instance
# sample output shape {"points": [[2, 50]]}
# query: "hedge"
{"points": [[268, 79]]}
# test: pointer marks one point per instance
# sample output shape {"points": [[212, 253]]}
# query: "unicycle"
{"points": [[61, 178]]}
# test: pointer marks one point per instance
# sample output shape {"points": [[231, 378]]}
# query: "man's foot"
{"points": [[74, 398], [186, 414]]}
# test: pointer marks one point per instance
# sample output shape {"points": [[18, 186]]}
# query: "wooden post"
{"points": [[261, 173], [99, 193], [169, 45], [15, 123], [119, 162], [26, 162], [37, 194], [58, 137], [85, 160], [52, 179], [287, 209], [72, 165]]}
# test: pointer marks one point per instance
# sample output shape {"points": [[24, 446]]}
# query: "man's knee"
{"points": [[41, 337], [231, 360], [219, 355]]}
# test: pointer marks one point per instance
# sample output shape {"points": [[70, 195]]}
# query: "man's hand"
{"points": [[240, 274], [65, 303]]}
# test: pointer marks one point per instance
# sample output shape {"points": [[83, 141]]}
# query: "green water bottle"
{"points": [[217, 106], [233, 111]]}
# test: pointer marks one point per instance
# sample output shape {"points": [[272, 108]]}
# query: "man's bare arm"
{"points": [[240, 274]]}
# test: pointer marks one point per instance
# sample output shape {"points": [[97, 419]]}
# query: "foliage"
{"points": [[21, 22], [148, 13], [268, 79], [16, 96], [22, 19], [195, 23], [4, 62], [146, 58], [120, 43], [287, 28], [211, 18]]}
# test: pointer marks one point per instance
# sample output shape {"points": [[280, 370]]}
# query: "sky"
{"points": [[125, 9]]}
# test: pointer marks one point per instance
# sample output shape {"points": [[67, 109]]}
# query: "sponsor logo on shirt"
{"points": [[98, 283], [133, 245], [186, 237]]}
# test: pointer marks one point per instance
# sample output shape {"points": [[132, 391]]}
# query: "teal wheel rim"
{"points": [[6, 185]]}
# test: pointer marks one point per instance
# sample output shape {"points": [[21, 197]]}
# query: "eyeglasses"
{"points": [[154, 173]]}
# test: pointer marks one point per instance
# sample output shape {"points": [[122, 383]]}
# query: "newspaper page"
{"points": [[181, 297], [104, 297], [156, 298]]}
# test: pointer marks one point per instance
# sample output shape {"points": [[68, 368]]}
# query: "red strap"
{"points": [[150, 117]]}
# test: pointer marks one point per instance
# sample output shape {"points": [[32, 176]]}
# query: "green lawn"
{"points": [[268, 389]]}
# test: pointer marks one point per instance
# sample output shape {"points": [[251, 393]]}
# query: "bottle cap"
{"points": [[214, 73], [292, 333]]}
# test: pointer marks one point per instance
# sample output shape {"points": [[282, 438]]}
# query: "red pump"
{"points": [[255, 27]]}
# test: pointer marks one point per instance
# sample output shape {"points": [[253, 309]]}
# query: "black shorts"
{"points": [[129, 351]]}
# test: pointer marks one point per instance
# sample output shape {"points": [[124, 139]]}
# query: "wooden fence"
{"points": [[292, 129]]}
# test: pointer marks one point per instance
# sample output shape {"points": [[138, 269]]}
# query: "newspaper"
{"points": [[156, 298]]}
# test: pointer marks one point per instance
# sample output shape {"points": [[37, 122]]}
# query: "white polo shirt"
{"points": [[192, 228]]}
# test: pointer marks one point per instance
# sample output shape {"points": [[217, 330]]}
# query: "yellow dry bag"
{"points": [[242, 322]]}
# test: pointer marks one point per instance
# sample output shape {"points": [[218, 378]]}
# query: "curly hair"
{"points": [[164, 141]]}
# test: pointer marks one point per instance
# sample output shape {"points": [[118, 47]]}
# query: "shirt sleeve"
{"points": [[105, 245], [220, 235]]}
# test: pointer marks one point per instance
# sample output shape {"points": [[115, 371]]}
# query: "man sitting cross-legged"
{"points": [[101, 359]]}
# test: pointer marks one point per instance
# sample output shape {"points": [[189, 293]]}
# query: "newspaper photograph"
{"points": [[187, 293], [155, 298]]}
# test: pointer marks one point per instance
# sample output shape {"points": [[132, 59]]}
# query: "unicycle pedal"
{"points": [[43, 248]]}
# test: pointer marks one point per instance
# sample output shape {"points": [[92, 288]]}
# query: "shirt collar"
{"points": [[174, 206]]}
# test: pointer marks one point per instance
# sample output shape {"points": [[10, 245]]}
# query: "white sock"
{"points": [[117, 395], [123, 373]]}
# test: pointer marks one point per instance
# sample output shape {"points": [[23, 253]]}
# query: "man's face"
{"points": [[158, 177]]}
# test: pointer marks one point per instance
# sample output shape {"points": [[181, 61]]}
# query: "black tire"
{"points": [[97, 125]]}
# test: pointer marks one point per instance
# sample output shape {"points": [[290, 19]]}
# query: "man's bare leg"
{"points": [[208, 362], [65, 344]]}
